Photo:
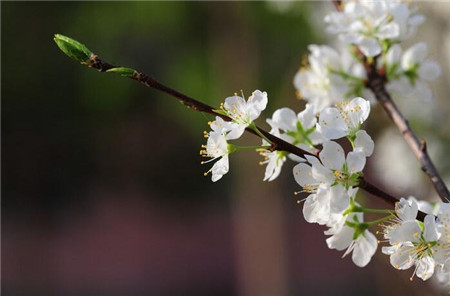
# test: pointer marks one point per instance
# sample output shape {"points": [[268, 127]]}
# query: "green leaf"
{"points": [[126, 72], [73, 48]]}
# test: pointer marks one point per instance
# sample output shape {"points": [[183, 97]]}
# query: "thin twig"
{"points": [[277, 143], [376, 83]]}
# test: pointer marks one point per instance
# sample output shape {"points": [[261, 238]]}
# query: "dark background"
{"points": [[103, 192]]}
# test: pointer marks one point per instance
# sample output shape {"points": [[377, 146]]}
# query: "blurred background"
{"points": [[103, 192]]}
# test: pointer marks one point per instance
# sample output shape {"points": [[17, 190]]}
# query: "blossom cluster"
{"points": [[242, 113], [425, 245], [369, 32], [332, 180], [334, 84]]}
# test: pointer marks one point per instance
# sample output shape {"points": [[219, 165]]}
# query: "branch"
{"points": [[86, 57], [376, 83]]}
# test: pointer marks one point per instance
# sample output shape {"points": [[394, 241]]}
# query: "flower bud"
{"points": [[73, 48]]}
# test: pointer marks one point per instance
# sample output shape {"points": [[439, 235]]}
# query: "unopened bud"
{"points": [[73, 48]]}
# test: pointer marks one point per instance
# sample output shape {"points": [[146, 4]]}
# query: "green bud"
{"points": [[126, 72], [73, 48]]}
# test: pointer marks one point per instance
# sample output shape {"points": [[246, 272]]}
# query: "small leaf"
{"points": [[73, 48], [126, 72]]}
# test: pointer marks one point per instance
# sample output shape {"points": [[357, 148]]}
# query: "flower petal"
{"points": [[430, 233], [285, 119], [342, 239], [356, 160], [256, 104], [303, 175], [339, 199], [429, 71], [364, 143], [425, 268], [332, 156], [220, 168], [331, 124], [401, 258], [366, 245]]}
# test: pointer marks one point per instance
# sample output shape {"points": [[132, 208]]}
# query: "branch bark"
{"points": [[376, 83]]}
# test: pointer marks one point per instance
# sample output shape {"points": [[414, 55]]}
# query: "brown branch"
{"points": [[337, 4], [376, 82], [277, 143], [383, 195]]}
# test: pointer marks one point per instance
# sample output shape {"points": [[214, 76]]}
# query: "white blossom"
{"points": [[410, 73], [368, 24], [273, 159], [217, 149], [319, 84], [242, 112], [343, 120], [346, 234], [413, 242], [329, 181]]}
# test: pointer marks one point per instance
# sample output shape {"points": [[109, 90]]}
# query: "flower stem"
{"points": [[253, 127], [378, 221], [251, 147]]}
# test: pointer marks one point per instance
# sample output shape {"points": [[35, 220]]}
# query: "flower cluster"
{"points": [[333, 85], [332, 179], [409, 73], [370, 32], [242, 113], [296, 129], [425, 245], [373, 25]]}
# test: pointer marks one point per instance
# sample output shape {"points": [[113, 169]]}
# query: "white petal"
{"points": [[366, 245], [416, 20], [339, 199], [430, 233], [274, 166], [307, 117], [406, 209], [341, 240], [257, 103], [393, 55], [236, 133], [235, 102], [429, 71], [425, 268], [369, 47], [389, 31], [285, 119], [358, 111], [303, 175], [415, 54], [332, 155], [331, 124], [221, 126], [364, 143], [322, 174], [356, 160], [220, 168], [401, 259], [317, 206], [409, 231]]}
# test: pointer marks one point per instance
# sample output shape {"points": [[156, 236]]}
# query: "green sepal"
{"points": [[360, 229], [122, 71], [73, 48], [232, 148]]}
